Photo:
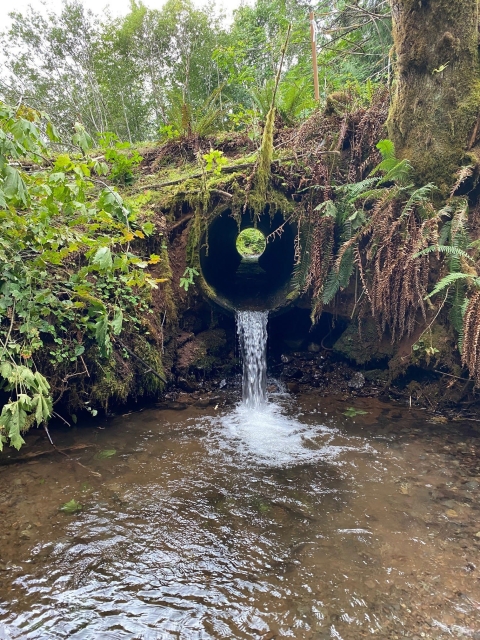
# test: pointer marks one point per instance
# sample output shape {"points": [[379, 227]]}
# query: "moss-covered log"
{"points": [[433, 118]]}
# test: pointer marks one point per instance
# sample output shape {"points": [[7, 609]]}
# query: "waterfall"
{"points": [[252, 334]]}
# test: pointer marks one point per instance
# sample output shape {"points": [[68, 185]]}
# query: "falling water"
{"points": [[252, 334]]}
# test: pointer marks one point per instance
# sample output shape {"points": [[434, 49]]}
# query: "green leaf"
{"points": [[107, 453], [52, 132], [351, 412], [117, 322], [81, 138], [71, 507], [386, 148], [12, 420], [103, 258], [102, 337], [327, 209], [14, 187], [148, 228]]}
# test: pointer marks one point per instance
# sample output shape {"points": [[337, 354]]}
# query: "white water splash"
{"points": [[267, 435], [252, 334]]}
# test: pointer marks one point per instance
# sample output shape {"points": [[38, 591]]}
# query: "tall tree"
{"points": [[435, 116]]}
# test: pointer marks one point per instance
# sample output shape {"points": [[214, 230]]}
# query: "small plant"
{"points": [[214, 160], [188, 276], [121, 158]]}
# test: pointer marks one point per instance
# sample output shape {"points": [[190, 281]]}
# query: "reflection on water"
{"points": [[292, 521]]}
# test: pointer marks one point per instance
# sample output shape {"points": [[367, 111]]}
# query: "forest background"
{"points": [[135, 75]]}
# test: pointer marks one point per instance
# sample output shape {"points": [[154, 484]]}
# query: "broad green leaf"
{"points": [[82, 138], [101, 335], [117, 322], [13, 419], [52, 132], [351, 412], [14, 187], [103, 258]]}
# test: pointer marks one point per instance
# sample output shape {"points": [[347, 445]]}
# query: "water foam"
{"points": [[267, 435]]}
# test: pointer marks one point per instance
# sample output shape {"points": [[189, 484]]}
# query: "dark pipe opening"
{"points": [[242, 283]]}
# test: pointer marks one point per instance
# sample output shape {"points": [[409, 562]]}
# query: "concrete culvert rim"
{"points": [[251, 243]]}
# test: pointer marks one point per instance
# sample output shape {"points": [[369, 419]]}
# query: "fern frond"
{"points": [[419, 198], [346, 268], [400, 173], [450, 279], [356, 190], [385, 165], [386, 148], [446, 248], [462, 174], [339, 279], [331, 286], [461, 329], [300, 270]]}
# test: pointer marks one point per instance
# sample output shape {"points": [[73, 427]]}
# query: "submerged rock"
{"points": [[357, 381]]}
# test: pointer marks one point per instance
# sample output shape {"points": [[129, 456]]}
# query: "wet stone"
{"points": [[357, 381]]}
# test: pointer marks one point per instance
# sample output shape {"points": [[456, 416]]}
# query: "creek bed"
{"points": [[295, 521]]}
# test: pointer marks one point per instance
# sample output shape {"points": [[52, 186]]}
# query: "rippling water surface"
{"points": [[289, 521]]}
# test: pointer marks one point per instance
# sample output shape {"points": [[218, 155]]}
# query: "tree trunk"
{"points": [[434, 117]]}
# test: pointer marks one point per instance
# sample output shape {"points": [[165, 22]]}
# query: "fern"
{"points": [[331, 287], [352, 192], [346, 268], [419, 198], [301, 269], [400, 173], [447, 248], [449, 280], [337, 280], [395, 170], [461, 330], [386, 148]]}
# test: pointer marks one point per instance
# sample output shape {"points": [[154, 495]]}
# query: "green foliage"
{"points": [[188, 277], [250, 242], [351, 412], [71, 507], [121, 157], [105, 454], [68, 277], [214, 161], [451, 279]]}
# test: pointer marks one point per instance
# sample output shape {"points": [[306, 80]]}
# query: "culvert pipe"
{"points": [[234, 282]]}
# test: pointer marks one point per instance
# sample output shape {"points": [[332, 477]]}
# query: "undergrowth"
{"points": [[70, 278]]}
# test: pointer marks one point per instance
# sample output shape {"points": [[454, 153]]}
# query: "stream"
{"points": [[271, 517]]}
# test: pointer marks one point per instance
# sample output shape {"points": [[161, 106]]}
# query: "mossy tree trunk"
{"points": [[434, 118]]}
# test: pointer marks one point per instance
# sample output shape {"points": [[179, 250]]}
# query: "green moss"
{"points": [[266, 155], [437, 97], [362, 346]]}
